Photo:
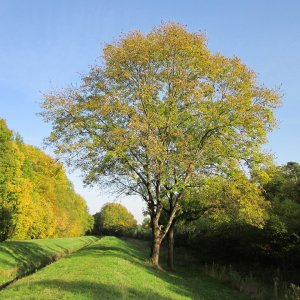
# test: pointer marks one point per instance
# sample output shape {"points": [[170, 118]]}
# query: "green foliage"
{"points": [[97, 224], [140, 232], [117, 269], [159, 115], [114, 219], [275, 247], [146, 223], [234, 199], [284, 192], [6, 223], [285, 183]]}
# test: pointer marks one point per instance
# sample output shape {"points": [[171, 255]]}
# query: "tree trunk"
{"points": [[171, 248], [156, 241], [155, 252], [153, 235]]}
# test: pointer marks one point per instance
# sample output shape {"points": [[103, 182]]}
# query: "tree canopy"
{"points": [[159, 116], [283, 190], [114, 219], [36, 198]]}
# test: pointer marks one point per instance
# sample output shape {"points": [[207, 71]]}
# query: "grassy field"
{"points": [[18, 258], [115, 269]]}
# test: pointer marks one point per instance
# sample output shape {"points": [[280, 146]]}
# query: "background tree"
{"points": [[97, 224], [236, 200], [58, 210], [115, 219], [36, 198], [283, 228], [228, 238], [158, 115], [146, 224], [12, 186]]}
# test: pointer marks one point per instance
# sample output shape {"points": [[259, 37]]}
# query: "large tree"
{"points": [[158, 115]]}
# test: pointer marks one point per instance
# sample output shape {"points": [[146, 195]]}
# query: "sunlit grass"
{"points": [[115, 269], [18, 258]]}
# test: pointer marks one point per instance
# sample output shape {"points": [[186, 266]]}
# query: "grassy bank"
{"points": [[18, 258], [115, 269]]}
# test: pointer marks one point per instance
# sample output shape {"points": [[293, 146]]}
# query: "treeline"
{"points": [[36, 198], [276, 245]]}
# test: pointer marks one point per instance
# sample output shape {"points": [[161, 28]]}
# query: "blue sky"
{"points": [[46, 45]]}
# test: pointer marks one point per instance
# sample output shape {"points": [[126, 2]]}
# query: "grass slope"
{"points": [[115, 269], [18, 258]]}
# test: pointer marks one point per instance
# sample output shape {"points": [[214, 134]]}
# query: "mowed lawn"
{"points": [[112, 268], [18, 258]]}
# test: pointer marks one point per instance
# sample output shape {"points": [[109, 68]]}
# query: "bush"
{"points": [[113, 219]]}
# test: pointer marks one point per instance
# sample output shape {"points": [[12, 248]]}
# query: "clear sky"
{"points": [[47, 44]]}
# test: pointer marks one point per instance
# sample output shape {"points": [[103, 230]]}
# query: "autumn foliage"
{"points": [[36, 198]]}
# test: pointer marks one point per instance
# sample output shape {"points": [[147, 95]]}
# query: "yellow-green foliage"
{"points": [[159, 115], [115, 219], [36, 198], [236, 198], [11, 182]]}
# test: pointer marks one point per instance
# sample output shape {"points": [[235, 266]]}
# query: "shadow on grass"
{"points": [[186, 282], [91, 290], [130, 255], [25, 256]]}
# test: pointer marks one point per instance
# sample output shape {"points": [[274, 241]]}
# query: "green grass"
{"points": [[18, 258], [116, 269]]}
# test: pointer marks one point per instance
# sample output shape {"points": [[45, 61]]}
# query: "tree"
{"points": [[12, 186], [115, 219], [236, 200], [146, 223], [160, 114], [56, 210], [36, 198], [285, 183], [97, 224], [283, 190], [228, 234]]}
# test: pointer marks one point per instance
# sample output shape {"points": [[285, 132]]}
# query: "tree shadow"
{"points": [[26, 256], [186, 281], [92, 290], [21, 258]]}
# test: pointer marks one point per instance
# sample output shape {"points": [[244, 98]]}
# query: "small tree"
{"points": [[115, 219], [159, 115]]}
